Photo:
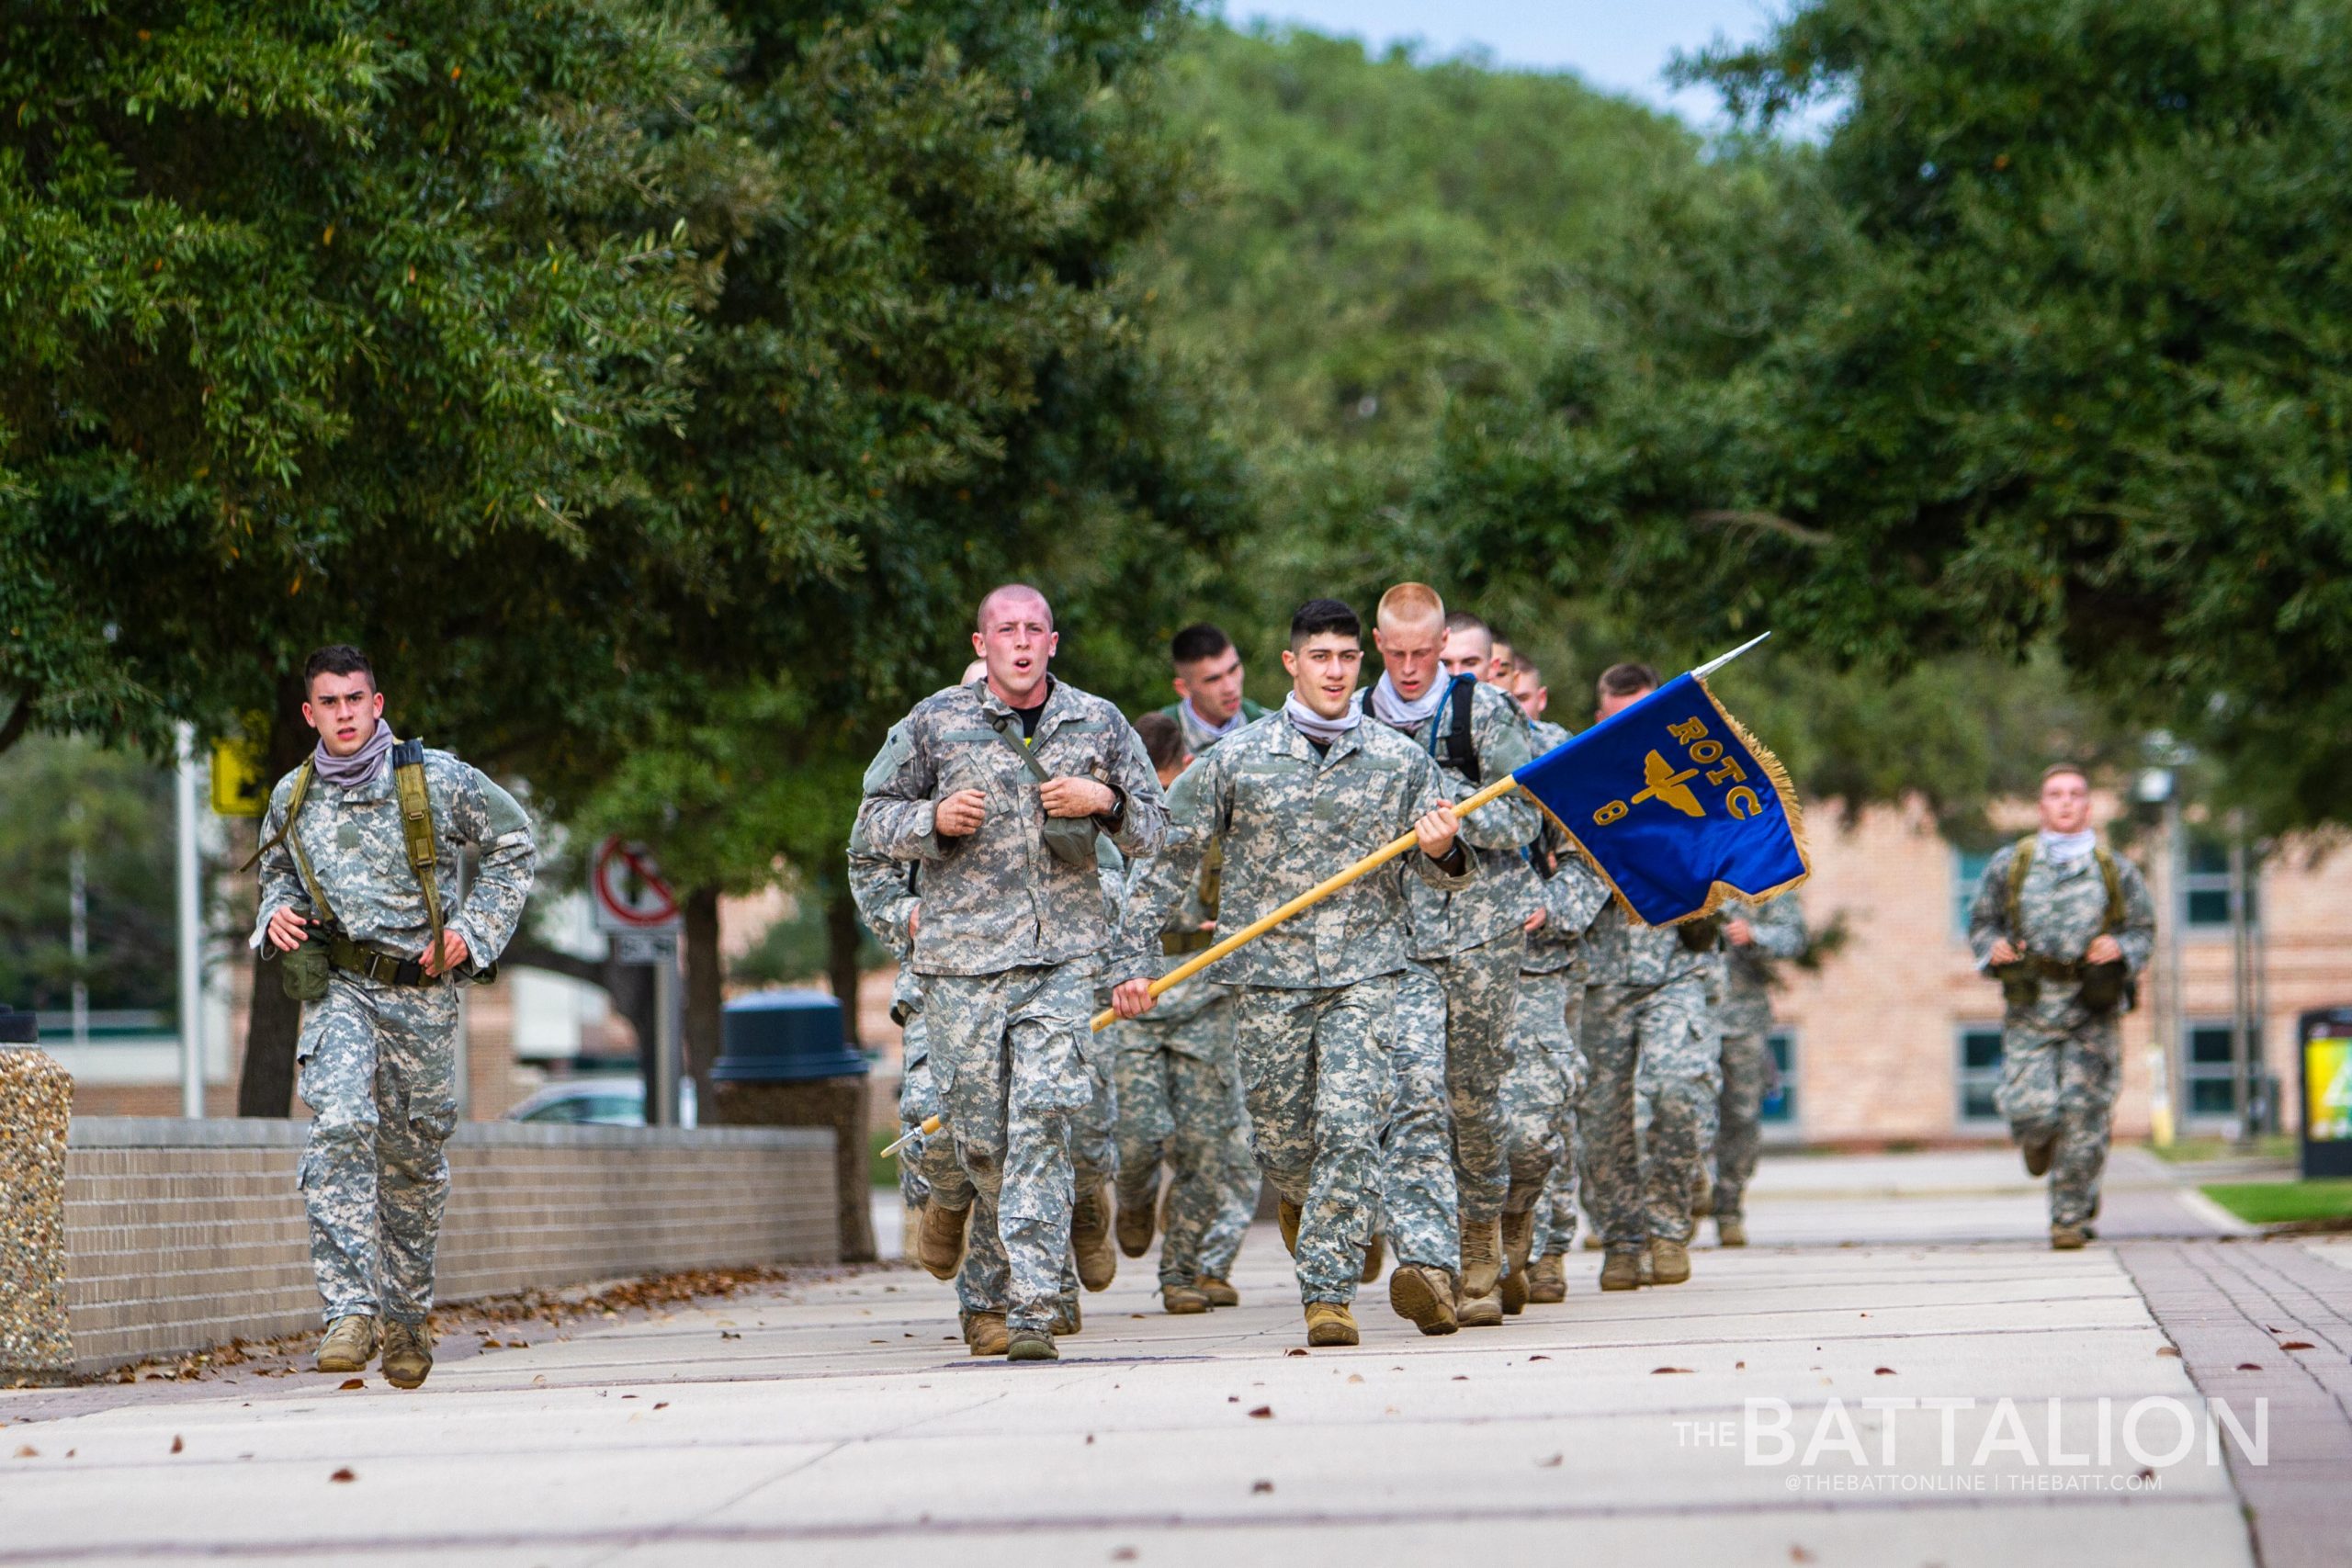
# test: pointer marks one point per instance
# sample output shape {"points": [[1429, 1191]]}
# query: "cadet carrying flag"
{"points": [[1678, 806]]}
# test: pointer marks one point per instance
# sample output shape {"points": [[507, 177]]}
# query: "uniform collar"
{"points": [[1293, 743], [1058, 704]]}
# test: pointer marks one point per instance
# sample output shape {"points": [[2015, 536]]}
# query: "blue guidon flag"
{"points": [[1678, 806]]}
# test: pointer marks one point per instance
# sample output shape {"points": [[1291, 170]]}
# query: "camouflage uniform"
{"points": [[1011, 949], [1648, 1029], [378, 1061], [1198, 740], [2060, 1061], [1315, 999], [1547, 1067], [1473, 941], [1745, 1018], [1419, 1202]]}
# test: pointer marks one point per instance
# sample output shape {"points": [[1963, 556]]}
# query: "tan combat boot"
{"points": [[349, 1346], [985, 1333], [1089, 1237], [1423, 1296], [1547, 1279], [1031, 1345], [1182, 1301], [1730, 1231], [1643, 1264], [1519, 1240], [1135, 1228], [1376, 1254], [1592, 1241], [1220, 1292], [2037, 1154], [1477, 1305], [2068, 1238], [1067, 1318], [1621, 1271], [1669, 1262], [1330, 1323], [1286, 1216], [939, 1243], [408, 1354]]}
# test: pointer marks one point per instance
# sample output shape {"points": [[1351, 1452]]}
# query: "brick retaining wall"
{"points": [[180, 1235]]}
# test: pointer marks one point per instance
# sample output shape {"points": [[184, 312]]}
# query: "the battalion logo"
{"points": [[1668, 785]]}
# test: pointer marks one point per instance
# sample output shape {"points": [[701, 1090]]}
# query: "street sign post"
{"points": [[636, 909]]}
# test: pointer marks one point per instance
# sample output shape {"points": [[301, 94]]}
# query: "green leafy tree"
{"points": [[2042, 346], [58, 797], [325, 323]]}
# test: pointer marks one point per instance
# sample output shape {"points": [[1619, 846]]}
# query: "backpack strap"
{"points": [[416, 826], [1457, 713], [2114, 880], [2020, 864], [293, 841]]}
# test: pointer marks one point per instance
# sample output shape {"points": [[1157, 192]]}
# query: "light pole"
{"points": [[191, 933]]}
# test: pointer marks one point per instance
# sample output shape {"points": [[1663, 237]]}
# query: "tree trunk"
{"points": [[842, 936], [272, 1021], [705, 987]]}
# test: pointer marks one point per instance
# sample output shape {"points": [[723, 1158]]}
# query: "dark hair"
{"points": [[1625, 680], [337, 658], [1319, 616], [1163, 740], [1198, 641], [1463, 621]]}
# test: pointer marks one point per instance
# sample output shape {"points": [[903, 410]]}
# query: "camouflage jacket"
{"points": [[1194, 914], [353, 841], [1198, 740], [1619, 950], [1778, 925], [997, 899], [1505, 892], [1288, 821], [2061, 909]]}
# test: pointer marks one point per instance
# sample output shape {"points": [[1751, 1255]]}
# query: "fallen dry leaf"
{"points": [[1124, 1554], [1263, 1413], [2295, 1345], [350, 1383], [1655, 1372], [1259, 1488], [345, 1473], [1460, 1377], [661, 1405], [27, 1451], [1539, 1357], [1295, 1350], [1799, 1554], [1355, 1377], [1882, 1372], [2173, 1350], [1555, 1462], [177, 1446]]}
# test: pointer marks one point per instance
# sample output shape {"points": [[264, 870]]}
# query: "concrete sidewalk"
{"points": [[839, 1421]]}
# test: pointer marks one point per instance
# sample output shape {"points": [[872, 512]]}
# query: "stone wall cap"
{"points": [[270, 1132]]}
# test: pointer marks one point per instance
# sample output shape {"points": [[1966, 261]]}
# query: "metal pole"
{"points": [[663, 1109], [191, 933], [2176, 1042], [2241, 1043], [77, 872]]}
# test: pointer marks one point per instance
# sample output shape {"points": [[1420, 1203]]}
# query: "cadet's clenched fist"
{"points": [[960, 813]]}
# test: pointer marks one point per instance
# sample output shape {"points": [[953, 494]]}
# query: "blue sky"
{"points": [[1621, 46]]}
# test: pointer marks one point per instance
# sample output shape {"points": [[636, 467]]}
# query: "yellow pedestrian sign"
{"points": [[239, 785]]}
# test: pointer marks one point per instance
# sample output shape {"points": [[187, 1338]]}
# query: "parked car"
{"points": [[604, 1100]]}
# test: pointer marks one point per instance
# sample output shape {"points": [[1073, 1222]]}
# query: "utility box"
{"points": [[2325, 1036], [782, 1062]]}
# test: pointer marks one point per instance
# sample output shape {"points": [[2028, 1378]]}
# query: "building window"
{"points": [[1967, 871], [1780, 1103], [2211, 1089], [2205, 885], [1980, 1074]]}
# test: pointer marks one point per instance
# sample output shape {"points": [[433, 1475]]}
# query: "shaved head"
{"points": [[1009, 593], [1410, 604]]}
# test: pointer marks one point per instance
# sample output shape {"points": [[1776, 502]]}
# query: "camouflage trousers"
{"points": [[1481, 999], [1540, 1093], [2059, 1067], [1179, 1105], [1738, 1119], [379, 1072], [1025, 1094], [1659, 1039], [1419, 1208], [1317, 1071], [1555, 1229]]}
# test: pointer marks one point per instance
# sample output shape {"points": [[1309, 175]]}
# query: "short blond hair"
{"points": [[1408, 601], [2062, 770]]}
